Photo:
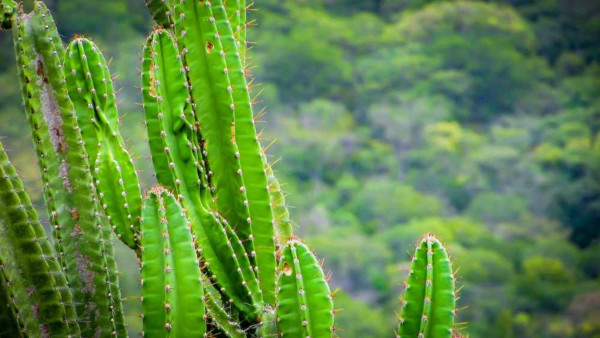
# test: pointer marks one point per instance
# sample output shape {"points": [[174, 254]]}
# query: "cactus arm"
{"points": [[36, 296], [172, 288], [281, 215], [304, 305], [428, 302], [68, 188], [91, 90], [202, 42], [165, 100]]}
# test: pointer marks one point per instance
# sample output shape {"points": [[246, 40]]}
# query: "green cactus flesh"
{"points": [[84, 248], [429, 302], [304, 304], [172, 289], [28, 262], [91, 90], [173, 154]]}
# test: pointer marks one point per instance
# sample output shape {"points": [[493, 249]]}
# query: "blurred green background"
{"points": [[478, 121]]}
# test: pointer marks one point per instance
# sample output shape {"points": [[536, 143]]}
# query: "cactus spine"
{"points": [[214, 239]]}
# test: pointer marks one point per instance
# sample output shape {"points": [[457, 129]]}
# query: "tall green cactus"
{"points": [[214, 240], [83, 244]]}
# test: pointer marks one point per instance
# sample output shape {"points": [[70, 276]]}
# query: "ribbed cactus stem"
{"points": [[172, 288], [428, 304], [304, 301], [84, 247], [30, 266], [171, 135], [223, 110], [91, 90]]}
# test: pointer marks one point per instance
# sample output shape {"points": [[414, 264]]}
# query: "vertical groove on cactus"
{"points": [[32, 278], [304, 303], [68, 187], [172, 287], [429, 302], [91, 91]]}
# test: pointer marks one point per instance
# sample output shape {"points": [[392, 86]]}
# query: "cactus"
{"points": [[91, 90], [304, 301], [214, 239], [428, 305], [171, 280]]}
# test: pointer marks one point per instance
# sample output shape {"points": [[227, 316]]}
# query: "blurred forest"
{"points": [[478, 121]]}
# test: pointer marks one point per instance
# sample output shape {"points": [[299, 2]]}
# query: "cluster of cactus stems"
{"points": [[214, 239]]}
